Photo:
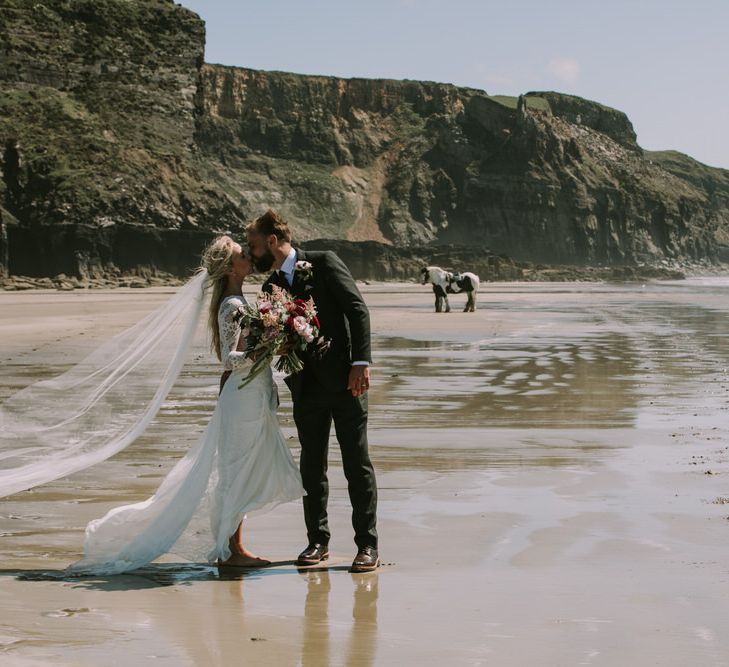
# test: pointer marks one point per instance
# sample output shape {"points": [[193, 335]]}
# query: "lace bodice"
{"points": [[232, 346]]}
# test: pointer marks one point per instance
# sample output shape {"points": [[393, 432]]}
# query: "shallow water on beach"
{"points": [[572, 369], [551, 468]]}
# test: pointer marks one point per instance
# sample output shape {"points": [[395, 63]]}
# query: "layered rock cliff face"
{"points": [[97, 111], [411, 162], [121, 151]]}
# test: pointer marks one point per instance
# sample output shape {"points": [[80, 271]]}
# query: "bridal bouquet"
{"points": [[278, 324]]}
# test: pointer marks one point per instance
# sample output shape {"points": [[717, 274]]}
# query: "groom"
{"points": [[332, 387]]}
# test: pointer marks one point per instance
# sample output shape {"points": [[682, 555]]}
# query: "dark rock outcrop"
{"points": [[578, 111], [121, 149], [714, 183], [97, 113], [92, 253]]}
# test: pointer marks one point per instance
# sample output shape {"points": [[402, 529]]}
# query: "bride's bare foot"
{"points": [[238, 560], [241, 557]]}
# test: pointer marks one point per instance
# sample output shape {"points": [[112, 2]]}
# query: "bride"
{"points": [[240, 463]]}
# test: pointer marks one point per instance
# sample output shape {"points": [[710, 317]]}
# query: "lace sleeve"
{"points": [[231, 355]]}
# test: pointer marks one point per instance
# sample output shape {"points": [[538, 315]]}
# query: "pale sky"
{"points": [[663, 62]]}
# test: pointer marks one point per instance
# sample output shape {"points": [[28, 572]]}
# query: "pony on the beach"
{"points": [[445, 283]]}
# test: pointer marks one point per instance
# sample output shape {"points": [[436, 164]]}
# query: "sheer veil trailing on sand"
{"points": [[240, 463], [101, 405]]}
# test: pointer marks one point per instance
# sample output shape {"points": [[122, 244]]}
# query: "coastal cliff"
{"points": [[122, 152]]}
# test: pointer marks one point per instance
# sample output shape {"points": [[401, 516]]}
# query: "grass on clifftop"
{"points": [[510, 102]]}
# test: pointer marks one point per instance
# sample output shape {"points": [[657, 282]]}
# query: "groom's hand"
{"points": [[359, 380]]}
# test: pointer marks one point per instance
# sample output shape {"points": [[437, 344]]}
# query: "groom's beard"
{"points": [[265, 262]]}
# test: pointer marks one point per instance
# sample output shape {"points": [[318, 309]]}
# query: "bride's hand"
{"points": [[255, 355]]}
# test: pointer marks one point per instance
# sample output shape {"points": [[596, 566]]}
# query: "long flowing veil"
{"points": [[101, 405]]}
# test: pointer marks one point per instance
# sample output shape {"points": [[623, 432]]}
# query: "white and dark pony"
{"points": [[445, 283]]}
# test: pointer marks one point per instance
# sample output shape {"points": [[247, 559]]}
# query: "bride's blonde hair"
{"points": [[217, 259]]}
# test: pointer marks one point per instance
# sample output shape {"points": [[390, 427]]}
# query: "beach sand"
{"points": [[554, 490]]}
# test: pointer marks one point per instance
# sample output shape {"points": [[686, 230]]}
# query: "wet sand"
{"points": [[553, 475]]}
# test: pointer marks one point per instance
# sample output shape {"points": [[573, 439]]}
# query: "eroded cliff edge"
{"points": [[122, 151]]}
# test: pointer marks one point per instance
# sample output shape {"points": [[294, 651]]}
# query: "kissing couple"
{"points": [[241, 462]]}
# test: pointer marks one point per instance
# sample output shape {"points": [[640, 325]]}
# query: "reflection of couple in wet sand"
{"points": [[241, 463], [362, 639], [313, 627]]}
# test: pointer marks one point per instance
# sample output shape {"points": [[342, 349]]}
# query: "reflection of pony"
{"points": [[445, 283]]}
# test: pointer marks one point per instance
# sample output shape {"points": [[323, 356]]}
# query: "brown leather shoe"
{"points": [[313, 554], [366, 560]]}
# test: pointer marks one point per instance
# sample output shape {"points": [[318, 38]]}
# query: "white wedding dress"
{"points": [[241, 463]]}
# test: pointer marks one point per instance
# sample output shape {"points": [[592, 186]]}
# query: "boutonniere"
{"points": [[304, 269]]}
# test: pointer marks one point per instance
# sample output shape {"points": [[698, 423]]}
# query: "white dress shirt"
{"points": [[289, 266]]}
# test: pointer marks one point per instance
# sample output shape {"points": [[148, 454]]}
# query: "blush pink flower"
{"points": [[301, 326]]}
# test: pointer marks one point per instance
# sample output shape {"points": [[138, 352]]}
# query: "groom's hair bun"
{"points": [[272, 223]]}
